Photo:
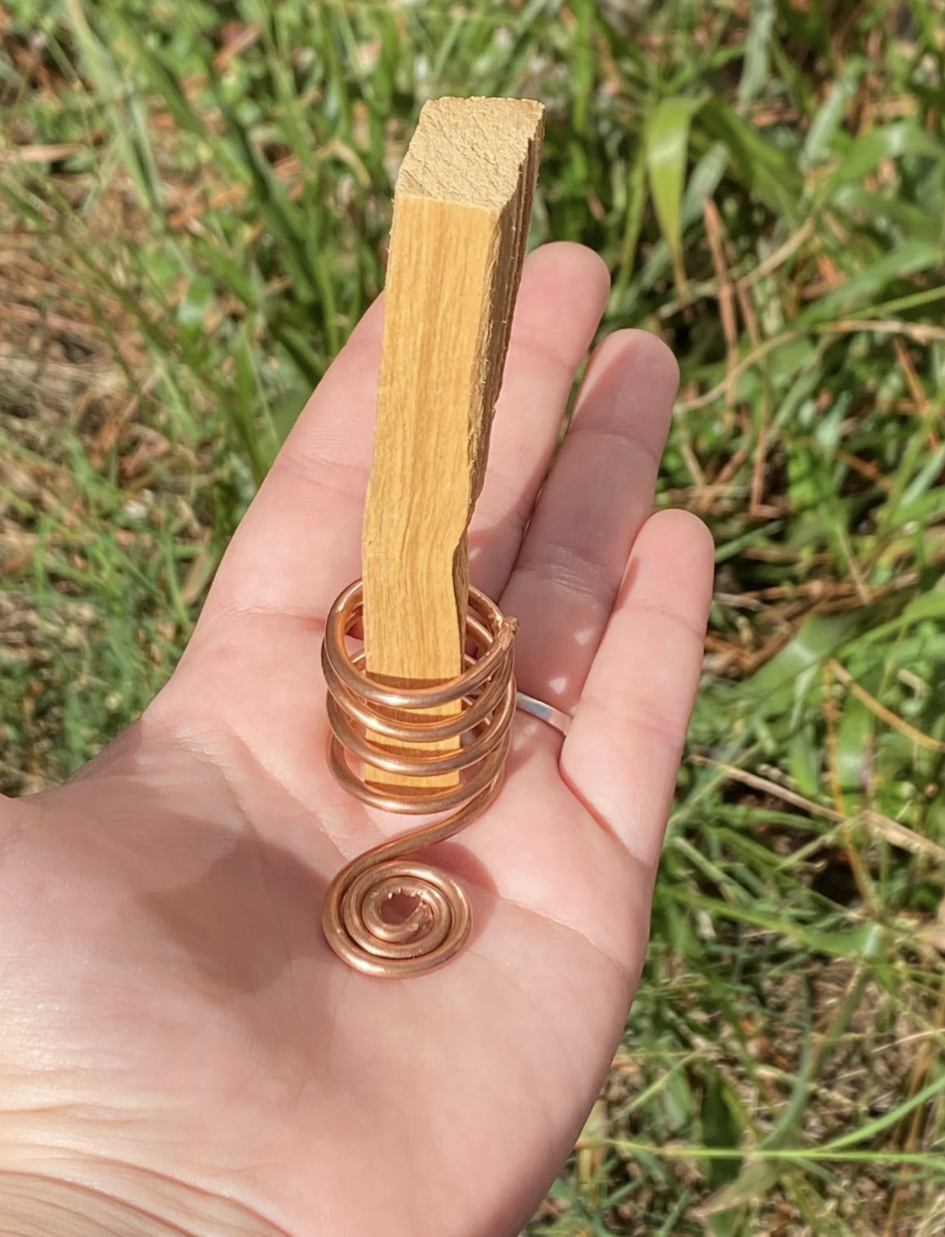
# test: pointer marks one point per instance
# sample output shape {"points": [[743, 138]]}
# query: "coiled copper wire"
{"points": [[359, 709]]}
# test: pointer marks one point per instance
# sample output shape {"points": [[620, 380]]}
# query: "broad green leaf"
{"points": [[924, 506], [888, 142], [831, 113], [193, 306], [755, 70], [763, 167], [929, 605], [667, 144], [885, 213], [818, 639], [804, 761], [704, 180], [927, 475], [866, 285], [855, 745]]}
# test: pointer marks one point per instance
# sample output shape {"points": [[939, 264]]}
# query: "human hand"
{"points": [[180, 1051]]}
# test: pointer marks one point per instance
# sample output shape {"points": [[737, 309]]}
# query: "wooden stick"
{"points": [[461, 212]]}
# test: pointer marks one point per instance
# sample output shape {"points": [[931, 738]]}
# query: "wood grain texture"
{"points": [[461, 212]]}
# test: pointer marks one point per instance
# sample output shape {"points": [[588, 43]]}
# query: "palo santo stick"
{"points": [[461, 212]]}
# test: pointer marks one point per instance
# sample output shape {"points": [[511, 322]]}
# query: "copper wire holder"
{"points": [[359, 710]]}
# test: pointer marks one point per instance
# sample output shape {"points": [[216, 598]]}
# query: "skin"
{"points": [[180, 1052]]}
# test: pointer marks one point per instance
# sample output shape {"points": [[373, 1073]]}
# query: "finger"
{"points": [[622, 754], [572, 283], [597, 497], [300, 543]]}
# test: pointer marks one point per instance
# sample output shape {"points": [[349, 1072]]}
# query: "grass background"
{"points": [[194, 201]]}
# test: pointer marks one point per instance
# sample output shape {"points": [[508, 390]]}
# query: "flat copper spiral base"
{"points": [[359, 709]]}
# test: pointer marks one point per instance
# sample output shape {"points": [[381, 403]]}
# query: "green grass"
{"points": [[767, 184]]}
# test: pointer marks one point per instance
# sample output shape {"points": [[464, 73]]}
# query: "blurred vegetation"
{"points": [[194, 200]]}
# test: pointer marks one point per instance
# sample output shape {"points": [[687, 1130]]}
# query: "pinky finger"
{"points": [[622, 754]]}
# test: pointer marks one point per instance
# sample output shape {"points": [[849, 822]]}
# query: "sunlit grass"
{"points": [[194, 202]]}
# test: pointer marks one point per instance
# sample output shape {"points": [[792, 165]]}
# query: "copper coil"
{"points": [[360, 709]]}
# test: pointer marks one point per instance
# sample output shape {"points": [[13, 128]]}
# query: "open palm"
{"points": [[180, 1051]]}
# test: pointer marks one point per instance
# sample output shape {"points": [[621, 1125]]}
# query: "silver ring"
{"points": [[546, 712]]}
